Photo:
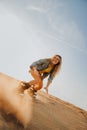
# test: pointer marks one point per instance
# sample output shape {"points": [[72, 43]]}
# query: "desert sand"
{"points": [[45, 112]]}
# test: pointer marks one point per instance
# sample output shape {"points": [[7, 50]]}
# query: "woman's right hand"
{"points": [[46, 89]]}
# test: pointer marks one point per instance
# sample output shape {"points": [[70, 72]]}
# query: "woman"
{"points": [[44, 68]]}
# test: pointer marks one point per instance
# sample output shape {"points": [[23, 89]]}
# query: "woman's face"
{"points": [[55, 59]]}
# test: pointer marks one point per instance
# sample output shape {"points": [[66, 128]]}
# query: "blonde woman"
{"points": [[42, 69]]}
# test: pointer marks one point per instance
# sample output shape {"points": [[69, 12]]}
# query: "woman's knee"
{"points": [[38, 86], [35, 73]]}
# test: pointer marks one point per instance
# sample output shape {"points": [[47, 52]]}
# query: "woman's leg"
{"points": [[37, 79]]}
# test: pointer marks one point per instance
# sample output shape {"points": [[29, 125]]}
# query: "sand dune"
{"points": [[13, 102], [45, 112]]}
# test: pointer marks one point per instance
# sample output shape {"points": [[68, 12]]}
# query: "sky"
{"points": [[31, 30]]}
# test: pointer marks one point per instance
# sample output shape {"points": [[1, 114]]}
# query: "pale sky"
{"points": [[36, 29]]}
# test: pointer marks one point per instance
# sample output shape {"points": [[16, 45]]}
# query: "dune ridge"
{"points": [[45, 112]]}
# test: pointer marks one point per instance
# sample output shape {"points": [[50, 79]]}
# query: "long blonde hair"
{"points": [[57, 67]]}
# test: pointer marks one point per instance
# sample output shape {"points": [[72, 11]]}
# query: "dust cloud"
{"points": [[13, 102]]}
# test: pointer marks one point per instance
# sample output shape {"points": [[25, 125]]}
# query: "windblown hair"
{"points": [[57, 67]]}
